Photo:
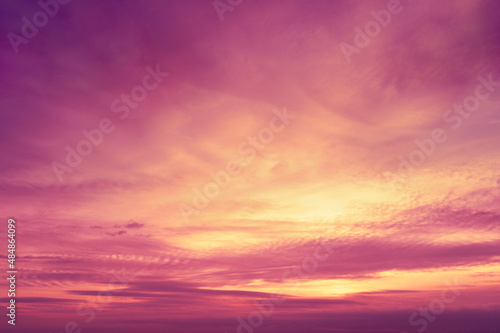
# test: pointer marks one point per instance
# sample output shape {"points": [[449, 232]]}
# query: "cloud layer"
{"points": [[190, 211]]}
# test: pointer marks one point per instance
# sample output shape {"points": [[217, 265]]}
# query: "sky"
{"points": [[251, 166]]}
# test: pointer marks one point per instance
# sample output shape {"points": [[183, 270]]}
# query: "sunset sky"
{"points": [[251, 166]]}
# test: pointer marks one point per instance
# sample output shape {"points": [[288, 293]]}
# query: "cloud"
{"points": [[118, 233], [134, 225], [320, 178]]}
